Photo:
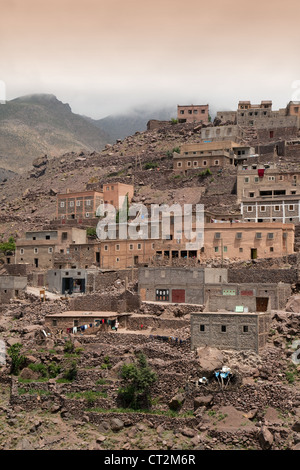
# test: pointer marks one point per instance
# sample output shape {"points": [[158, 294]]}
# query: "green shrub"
{"points": [[150, 165], [137, 380], [53, 369], [71, 373], [40, 368], [69, 347], [8, 246], [91, 232], [106, 364], [18, 360]]}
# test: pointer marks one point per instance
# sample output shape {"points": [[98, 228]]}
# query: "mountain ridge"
{"points": [[38, 124]]}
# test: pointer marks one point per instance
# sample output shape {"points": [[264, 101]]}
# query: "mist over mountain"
{"points": [[121, 125], [34, 125]]}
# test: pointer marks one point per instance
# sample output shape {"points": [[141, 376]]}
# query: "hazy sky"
{"points": [[104, 56]]}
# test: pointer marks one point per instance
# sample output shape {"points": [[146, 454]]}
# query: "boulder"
{"points": [[177, 401], [40, 161], [265, 438], [293, 304], [116, 424], [27, 373], [209, 359], [203, 401], [296, 426]]}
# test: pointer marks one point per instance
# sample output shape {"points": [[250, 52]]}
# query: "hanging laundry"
{"points": [[261, 173]]}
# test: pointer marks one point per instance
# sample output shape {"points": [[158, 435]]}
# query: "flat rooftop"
{"points": [[86, 313]]}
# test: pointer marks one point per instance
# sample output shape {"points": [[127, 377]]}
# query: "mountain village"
{"points": [[92, 282]]}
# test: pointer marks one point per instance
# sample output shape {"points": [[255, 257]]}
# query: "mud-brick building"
{"points": [[78, 205], [209, 154], [230, 330], [248, 240], [37, 248], [84, 205], [193, 113]]}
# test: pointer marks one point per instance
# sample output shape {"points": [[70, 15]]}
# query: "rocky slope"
{"points": [[33, 125], [259, 409], [29, 201]]}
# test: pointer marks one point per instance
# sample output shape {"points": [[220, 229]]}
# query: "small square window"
{"points": [[202, 327], [223, 328], [245, 328]]}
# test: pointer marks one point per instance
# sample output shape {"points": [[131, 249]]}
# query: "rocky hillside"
{"points": [[34, 125], [144, 159], [259, 409]]}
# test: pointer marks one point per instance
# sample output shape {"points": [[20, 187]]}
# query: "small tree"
{"points": [[137, 380], [17, 359], [8, 246]]}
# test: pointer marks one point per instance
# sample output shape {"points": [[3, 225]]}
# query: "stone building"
{"points": [[85, 322], [267, 124], [11, 287], [193, 113], [38, 248], [209, 154], [232, 132], [230, 331], [266, 180], [67, 281], [178, 285], [293, 109], [255, 296]]}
